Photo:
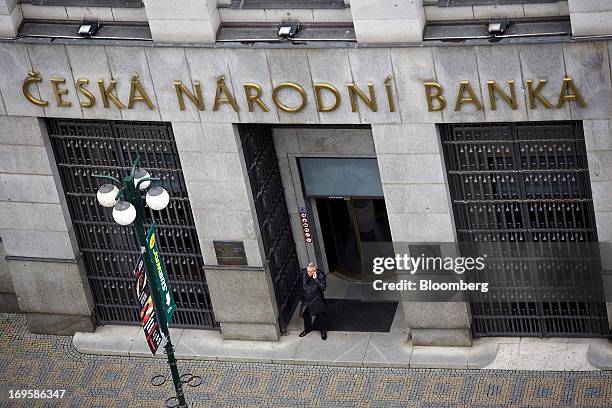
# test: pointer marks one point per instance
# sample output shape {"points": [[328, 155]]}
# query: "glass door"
{"points": [[347, 224]]}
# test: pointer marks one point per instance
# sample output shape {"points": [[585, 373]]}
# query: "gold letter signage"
{"points": [[327, 97]]}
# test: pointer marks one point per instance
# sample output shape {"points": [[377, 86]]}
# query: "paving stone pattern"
{"points": [[51, 362]]}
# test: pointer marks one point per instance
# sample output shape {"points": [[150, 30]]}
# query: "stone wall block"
{"points": [[597, 134], [44, 12], [422, 227], [416, 198], [6, 282], [206, 66], [15, 130], [24, 159], [90, 62], [604, 225], [15, 65], [600, 165], [82, 13], [51, 287], [9, 23], [413, 67], [385, 9], [251, 66], [589, 66], [501, 64], [184, 31], [602, 195], [593, 23], [374, 65], [337, 74], [232, 225], [32, 216], [209, 138], [52, 62], [48, 244], [404, 138], [390, 31], [7, 6], [416, 169], [335, 141], [28, 188], [2, 108], [168, 66], [216, 166], [292, 66], [250, 285], [537, 63], [453, 65], [581, 6], [218, 196], [180, 9], [124, 62]]}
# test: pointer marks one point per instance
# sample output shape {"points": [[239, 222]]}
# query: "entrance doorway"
{"points": [[346, 225]]}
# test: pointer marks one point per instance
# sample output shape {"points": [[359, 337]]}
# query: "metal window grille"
{"points": [[452, 3], [273, 217], [522, 191], [89, 3], [86, 147]]}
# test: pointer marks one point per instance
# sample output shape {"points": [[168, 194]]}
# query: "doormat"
{"points": [[360, 316]]}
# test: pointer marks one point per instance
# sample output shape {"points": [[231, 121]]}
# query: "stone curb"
{"points": [[396, 353], [600, 354]]}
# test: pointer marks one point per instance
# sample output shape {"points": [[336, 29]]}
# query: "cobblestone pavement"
{"points": [[50, 362]]}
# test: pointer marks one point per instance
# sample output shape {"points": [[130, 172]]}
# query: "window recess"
{"points": [[89, 3], [287, 4], [453, 3]]}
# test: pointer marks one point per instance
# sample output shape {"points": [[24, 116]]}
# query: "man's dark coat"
{"points": [[312, 293]]}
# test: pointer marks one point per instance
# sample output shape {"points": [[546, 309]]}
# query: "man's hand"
{"points": [[314, 275]]}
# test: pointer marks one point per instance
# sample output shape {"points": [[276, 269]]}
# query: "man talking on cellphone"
{"points": [[313, 301]]}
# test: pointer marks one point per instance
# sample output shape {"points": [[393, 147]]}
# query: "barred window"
{"points": [[89, 3], [451, 3]]}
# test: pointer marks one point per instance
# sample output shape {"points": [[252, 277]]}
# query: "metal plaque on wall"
{"points": [[230, 252]]}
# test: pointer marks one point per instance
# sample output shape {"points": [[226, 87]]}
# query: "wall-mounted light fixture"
{"points": [[288, 29], [88, 28]]}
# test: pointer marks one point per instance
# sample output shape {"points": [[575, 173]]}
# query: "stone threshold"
{"points": [[360, 349]]}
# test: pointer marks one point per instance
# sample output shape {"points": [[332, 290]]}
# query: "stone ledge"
{"points": [[57, 324], [9, 303], [600, 354], [346, 349]]}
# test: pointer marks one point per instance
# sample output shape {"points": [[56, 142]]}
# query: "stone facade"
{"points": [[36, 228], [590, 17], [42, 255]]}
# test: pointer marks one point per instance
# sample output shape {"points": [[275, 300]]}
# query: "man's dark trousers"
{"points": [[320, 321]]}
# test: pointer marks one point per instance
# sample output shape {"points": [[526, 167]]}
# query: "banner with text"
{"points": [[148, 317]]}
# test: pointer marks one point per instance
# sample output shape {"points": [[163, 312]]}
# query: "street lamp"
{"points": [[128, 207]]}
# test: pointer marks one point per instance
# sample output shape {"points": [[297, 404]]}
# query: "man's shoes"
{"points": [[324, 334], [305, 332]]}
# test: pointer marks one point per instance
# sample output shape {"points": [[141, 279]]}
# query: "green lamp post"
{"points": [[128, 207]]}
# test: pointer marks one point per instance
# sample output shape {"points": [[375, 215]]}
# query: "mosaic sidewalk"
{"points": [[50, 362]]}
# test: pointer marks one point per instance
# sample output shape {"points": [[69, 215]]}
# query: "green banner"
{"points": [[161, 278]]}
